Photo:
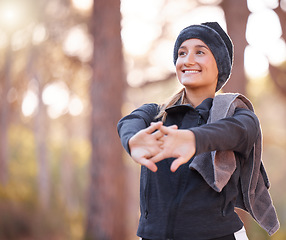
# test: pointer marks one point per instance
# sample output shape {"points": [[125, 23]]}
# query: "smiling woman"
{"points": [[193, 149]]}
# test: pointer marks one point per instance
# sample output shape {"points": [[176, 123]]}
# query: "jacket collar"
{"points": [[203, 108]]}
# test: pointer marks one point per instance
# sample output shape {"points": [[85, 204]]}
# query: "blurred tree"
{"points": [[34, 75], [41, 130], [105, 212], [4, 114], [12, 20], [236, 15], [278, 73]]}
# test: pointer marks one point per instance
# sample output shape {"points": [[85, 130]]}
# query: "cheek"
{"points": [[179, 76], [178, 68], [215, 70], [212, 66]]}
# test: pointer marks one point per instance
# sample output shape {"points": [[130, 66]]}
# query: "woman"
{"points": [[200, 152]]}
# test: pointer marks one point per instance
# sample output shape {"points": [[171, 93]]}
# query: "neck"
{"points": [[196, 98]]}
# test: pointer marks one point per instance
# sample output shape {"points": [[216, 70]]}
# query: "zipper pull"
{"points": [[145, 214], [200, 121]]}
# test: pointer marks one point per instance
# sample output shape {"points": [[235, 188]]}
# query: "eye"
{"points": [[200, 52], [182, 53]]}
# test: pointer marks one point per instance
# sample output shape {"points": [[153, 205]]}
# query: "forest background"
{"points": [[70, 69]]}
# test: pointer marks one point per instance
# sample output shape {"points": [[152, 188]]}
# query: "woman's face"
{"points": [[196, 67]]}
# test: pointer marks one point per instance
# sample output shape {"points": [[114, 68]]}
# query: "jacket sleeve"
{"points": [[237, 133], [139, 119]]}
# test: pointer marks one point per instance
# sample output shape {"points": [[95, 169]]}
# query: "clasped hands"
{"points": [[158, 142]]}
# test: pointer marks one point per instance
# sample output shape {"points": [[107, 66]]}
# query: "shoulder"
{"points": [[225, 105], [225, 100], [147, 111], [149, 107]]}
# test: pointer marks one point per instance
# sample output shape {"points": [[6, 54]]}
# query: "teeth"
{"points": [[191, 71]]}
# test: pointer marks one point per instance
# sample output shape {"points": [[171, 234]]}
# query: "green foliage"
{"points": [[22, 216], [22, 167]]}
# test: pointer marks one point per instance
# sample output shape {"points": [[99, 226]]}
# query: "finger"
{"points": [[155, 149], [158, 134], [153, 127], [160, 143], [177, 163], [157, 158], [167, 130], [149, 164], [160, 122], [174, 127]]}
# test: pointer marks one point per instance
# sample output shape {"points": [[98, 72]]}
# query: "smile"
{"points": [[191, 71]]}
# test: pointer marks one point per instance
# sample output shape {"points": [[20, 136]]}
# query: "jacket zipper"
{"points": [[172, 216], [146, 195], [174, 207]]}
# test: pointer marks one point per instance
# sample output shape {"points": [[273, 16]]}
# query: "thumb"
{"points": [[147, 163], [177, 163], [167, 130], [153, 127]]}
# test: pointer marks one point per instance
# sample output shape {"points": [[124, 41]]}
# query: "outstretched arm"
{"points": [[131, 124]]}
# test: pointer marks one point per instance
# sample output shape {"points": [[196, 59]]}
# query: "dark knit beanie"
{"points": [[218, 42]]}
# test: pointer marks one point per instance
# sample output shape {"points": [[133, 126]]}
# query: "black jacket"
{"points": [[182, 205]]}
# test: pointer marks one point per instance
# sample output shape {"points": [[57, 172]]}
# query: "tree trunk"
{"points": [[40, 131], [236, 14], [4, 114], [106, 214], [67, 167], [44, 186]]}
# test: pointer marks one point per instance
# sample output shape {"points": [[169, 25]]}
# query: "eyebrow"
{"points": [[202, 46], [196, 46]]}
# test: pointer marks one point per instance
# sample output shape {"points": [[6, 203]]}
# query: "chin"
{"points": [[189, 84]]}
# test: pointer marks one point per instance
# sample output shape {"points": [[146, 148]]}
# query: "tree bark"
{"points": [[41, 129], [106, 214], [4, 115], [236, 14]]}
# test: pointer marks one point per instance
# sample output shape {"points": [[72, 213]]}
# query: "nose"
{"points": [[190, 59]]}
